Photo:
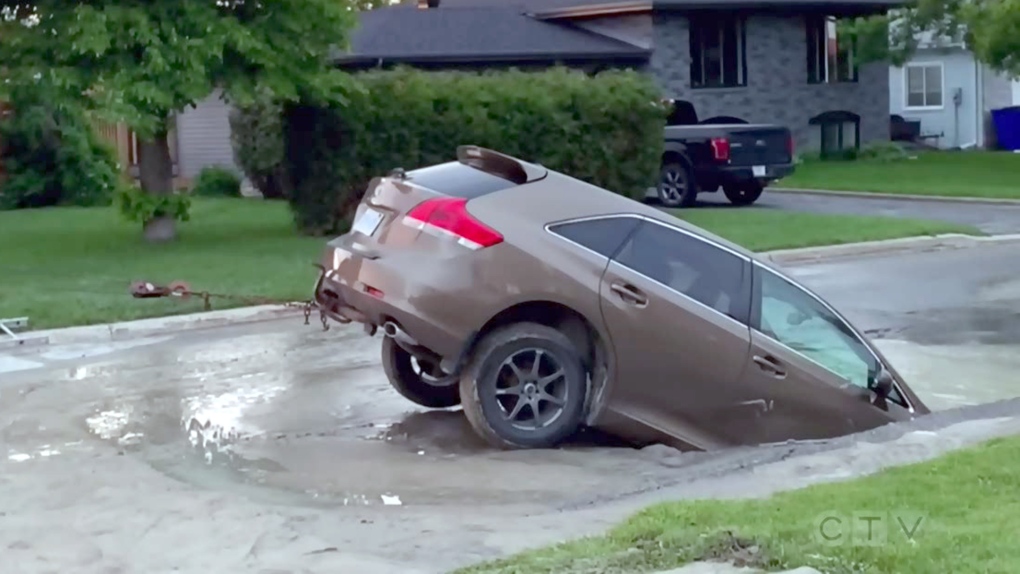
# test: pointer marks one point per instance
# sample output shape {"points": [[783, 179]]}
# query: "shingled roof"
{"points": [[475, 34]]}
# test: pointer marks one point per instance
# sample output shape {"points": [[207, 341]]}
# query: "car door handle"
{"points": [[629, 294], [770, 366]]}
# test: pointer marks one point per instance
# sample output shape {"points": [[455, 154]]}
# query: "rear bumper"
{"points": [[374, 289], [711, 177]]}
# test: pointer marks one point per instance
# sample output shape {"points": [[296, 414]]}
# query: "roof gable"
{"points": [[479, 34]]}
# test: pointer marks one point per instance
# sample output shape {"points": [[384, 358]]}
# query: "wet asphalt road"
{"points": [[279, 445], [991, 219]]}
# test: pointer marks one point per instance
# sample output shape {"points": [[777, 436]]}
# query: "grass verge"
{"points": [[955, 514], [73, 266], [947, 174], [762, 229]]}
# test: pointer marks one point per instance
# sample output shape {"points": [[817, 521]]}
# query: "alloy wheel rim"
{"points": [[531, 389], [673, 185]]}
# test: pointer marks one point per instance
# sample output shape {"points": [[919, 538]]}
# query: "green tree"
{"points": [[990, 28], [142, 61]]}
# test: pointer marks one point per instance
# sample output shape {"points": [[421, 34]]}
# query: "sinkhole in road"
{"points": [[355, 442]]}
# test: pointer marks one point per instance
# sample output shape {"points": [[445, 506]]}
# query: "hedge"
{"points": [[605, 129]]}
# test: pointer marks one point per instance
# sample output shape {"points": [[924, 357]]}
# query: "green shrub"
{"points": [[257, 137], [215, 181], [54, 157], [604, 129]]}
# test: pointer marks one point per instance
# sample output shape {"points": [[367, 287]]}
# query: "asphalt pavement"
{"points": [[280, 446]]}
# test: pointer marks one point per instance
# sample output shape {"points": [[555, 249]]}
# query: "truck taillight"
{"points": [[449, 216], [790, 147], [720, 149]]}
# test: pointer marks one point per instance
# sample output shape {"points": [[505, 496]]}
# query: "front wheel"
{"points": [[414, 379], [743, 194], [525, 387]]}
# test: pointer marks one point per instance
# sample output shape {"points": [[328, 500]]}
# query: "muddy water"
{"points": [[304, 417], [287, 413]]}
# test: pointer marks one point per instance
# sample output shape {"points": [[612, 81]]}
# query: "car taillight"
{"points": [[449, 215], [720, 149], [790, 145]]}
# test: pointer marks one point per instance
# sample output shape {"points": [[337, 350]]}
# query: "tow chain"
{"points": [[147, 290]]}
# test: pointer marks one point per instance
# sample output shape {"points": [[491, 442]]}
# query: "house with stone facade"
{"points": [[774, 61], [769, 61]]}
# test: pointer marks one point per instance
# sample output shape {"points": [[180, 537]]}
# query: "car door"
{"points": [[675, 306], [813, 369]]}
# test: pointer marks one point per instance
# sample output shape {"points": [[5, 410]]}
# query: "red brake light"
{"points": [[449, 215], [720, 149], [790, 145]]}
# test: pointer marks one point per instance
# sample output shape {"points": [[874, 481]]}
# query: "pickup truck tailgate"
{"points": [[760, 146]]}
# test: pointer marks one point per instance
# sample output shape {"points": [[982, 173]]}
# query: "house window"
{"points": [[923, 85], [830, 56], [838, 133], [718, 58]]}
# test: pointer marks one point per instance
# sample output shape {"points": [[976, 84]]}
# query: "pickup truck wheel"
{"points": [[525, 387], [413, 381], [743, 194], [676, 185]]}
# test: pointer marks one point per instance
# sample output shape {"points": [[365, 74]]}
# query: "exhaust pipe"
{"points": [[392, 330]]}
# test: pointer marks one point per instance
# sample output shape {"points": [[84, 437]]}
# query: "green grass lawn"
{"points": [[959, 513], [73, 266], [952, 174], [768, 229]]}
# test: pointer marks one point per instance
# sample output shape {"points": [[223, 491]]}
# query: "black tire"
{"points": [[408, 382], [491, 414], [744, 194], [677, 187]]}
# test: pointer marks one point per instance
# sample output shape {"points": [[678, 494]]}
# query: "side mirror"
{"points": [[883, 383]]}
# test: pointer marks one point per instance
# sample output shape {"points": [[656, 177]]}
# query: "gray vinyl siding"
{"points": [[203, 135]]}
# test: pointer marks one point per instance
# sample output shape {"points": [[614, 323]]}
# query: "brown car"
{"points": [[543, 304]]}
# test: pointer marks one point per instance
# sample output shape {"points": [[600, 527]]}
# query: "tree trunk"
{"points": [[156, 175]]}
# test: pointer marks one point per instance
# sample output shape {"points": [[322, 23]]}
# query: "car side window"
{"points": [[793, 317], [603, 236], [708, 274]]}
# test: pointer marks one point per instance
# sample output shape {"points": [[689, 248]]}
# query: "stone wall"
{"points": [[777, 90]]}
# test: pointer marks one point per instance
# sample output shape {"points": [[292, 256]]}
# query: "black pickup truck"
{"points": [[725, 152]]}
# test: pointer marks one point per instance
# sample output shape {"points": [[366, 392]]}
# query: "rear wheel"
{"points": [[525, 387], [676, 185], [414, 379], [743, 194]]}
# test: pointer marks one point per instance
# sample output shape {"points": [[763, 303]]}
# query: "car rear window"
{"points": [[459, 180]]}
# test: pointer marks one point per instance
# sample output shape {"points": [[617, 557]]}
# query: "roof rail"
{"points": [[489, 161]]}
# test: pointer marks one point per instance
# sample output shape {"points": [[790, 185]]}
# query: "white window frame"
{"points": [[906, 85], [739, 24], [827, 30]]}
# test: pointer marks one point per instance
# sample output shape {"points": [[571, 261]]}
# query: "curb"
{"points": [[155, 326], [895, 196], [885, 247]]}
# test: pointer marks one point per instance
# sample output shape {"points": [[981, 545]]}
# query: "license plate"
{"points": [[759, 171], [367, 222]]}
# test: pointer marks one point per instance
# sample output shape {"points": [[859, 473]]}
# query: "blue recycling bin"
{"points": [[1007, 127]]}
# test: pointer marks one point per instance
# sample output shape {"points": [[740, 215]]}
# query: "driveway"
{"points": [[281, 446], [991, 219]]}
